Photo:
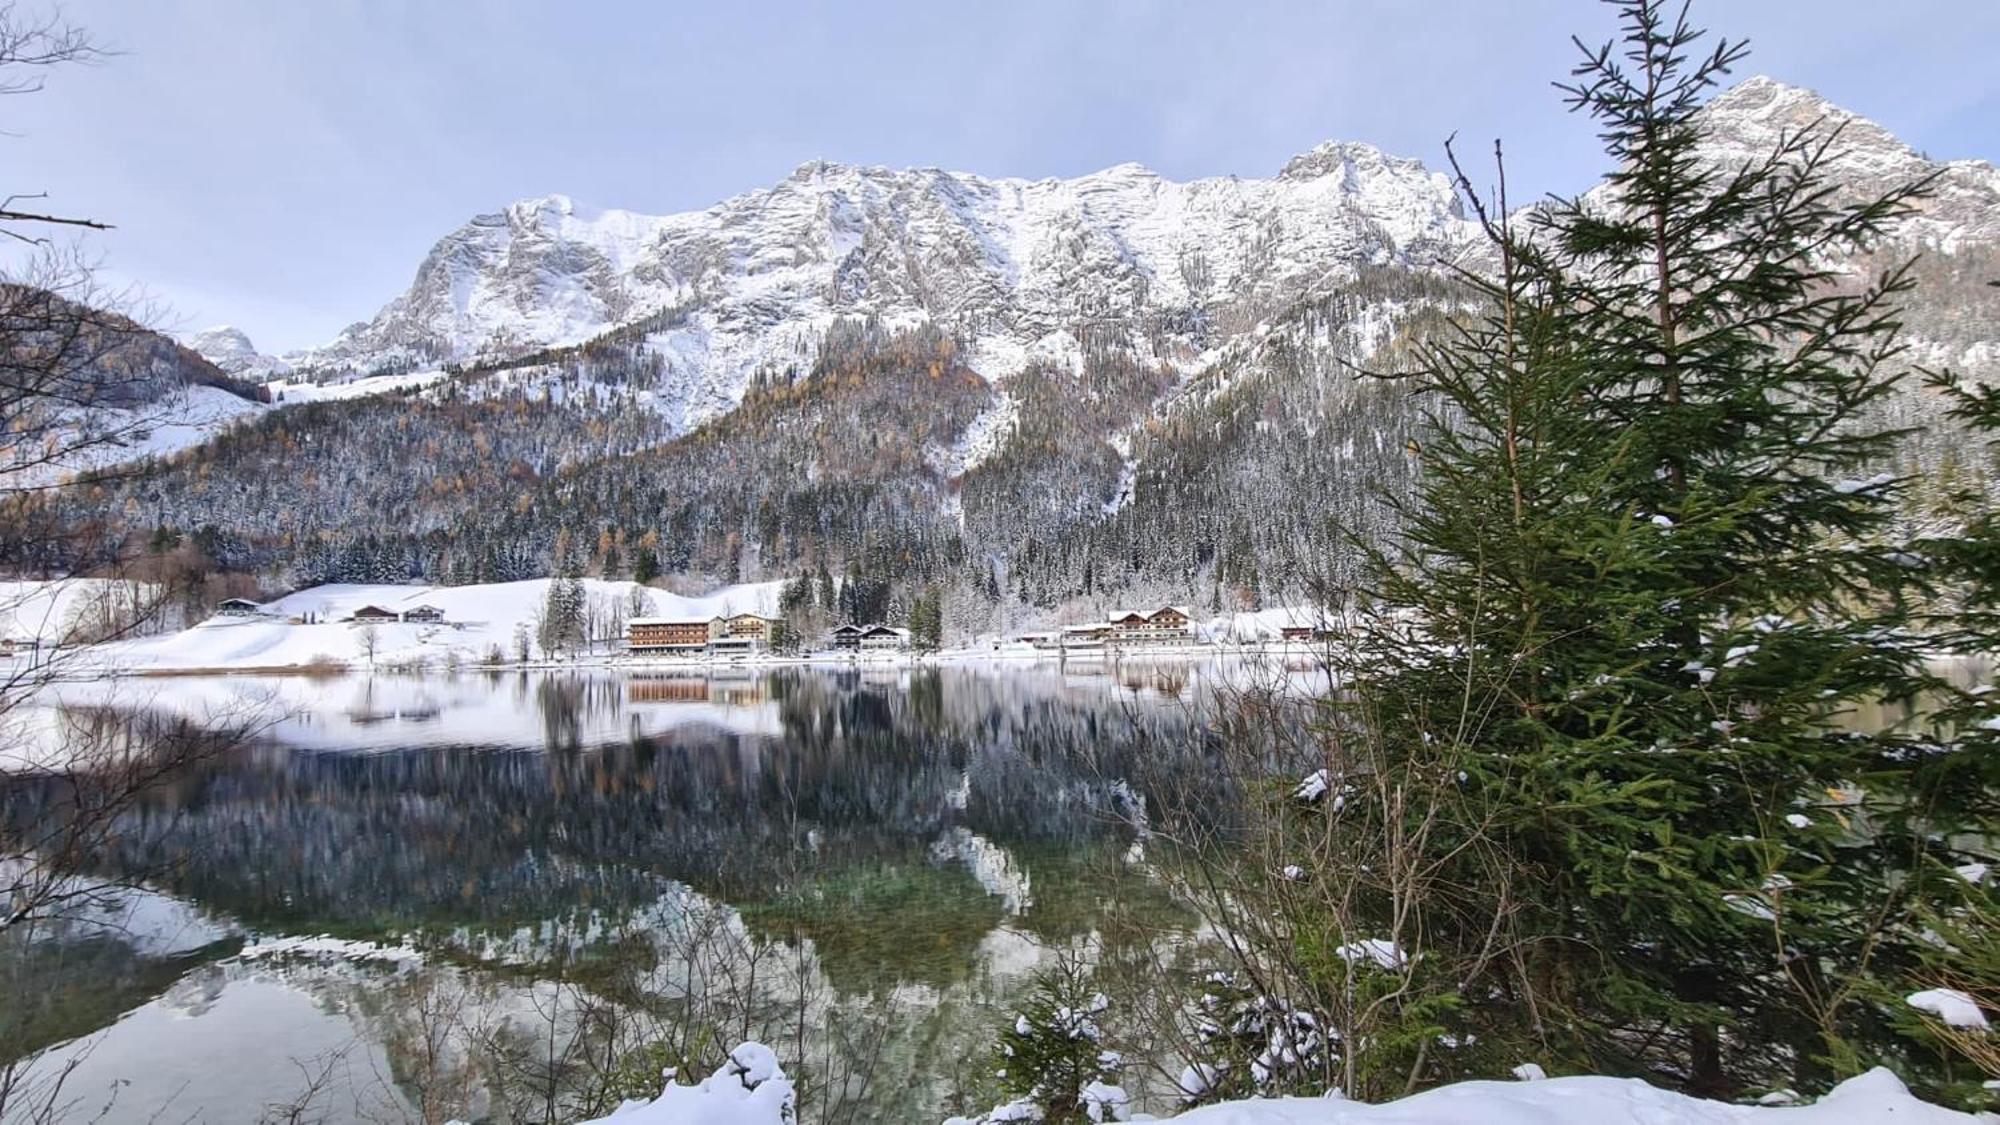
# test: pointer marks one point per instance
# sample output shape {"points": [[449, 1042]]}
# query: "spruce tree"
{"points": [[1952, 823], [1645, 576]]}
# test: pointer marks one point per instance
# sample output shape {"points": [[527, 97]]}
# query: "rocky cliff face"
{"points": [[1026, 270], [1022, 269]]}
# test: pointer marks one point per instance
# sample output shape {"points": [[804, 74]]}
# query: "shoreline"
{"points": [[620, 661]]}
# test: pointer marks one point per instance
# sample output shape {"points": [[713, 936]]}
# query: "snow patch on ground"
{"points": [[984, 436], [749, 1089], [1877, 1096]]}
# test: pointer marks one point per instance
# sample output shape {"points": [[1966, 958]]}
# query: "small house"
{"points": [[424, 615], [884, 638], [846, 638], [373, 615], [1304, 634], [238, 607]]}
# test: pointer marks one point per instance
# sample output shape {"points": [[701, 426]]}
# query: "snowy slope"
{"points": [[477, 618], [42, 611]]}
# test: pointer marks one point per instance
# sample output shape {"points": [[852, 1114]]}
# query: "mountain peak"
{"points": [[1347, 158], [230, 349], [1748, 121], [1763, 98], [554, 204]]}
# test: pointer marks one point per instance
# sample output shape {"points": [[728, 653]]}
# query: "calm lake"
{"points": [[517, 896]]}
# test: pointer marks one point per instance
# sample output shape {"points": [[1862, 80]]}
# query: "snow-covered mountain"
{"points": [[1962, 210], [230, 349], [1020, 269]]}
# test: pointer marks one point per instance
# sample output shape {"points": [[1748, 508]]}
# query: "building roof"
{"points": [[239, 601], [374, 611], [851, 628], [878, 630], [702, 621], [1149, 614], [423, 609]]}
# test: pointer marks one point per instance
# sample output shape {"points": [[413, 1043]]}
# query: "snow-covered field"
{"points": [[477, 620], [308, 628], [286, 391], [40, 611]]}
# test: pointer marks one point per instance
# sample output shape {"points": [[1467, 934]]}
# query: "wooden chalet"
{"points": [[238, 607], [846, 638], [1305, 634], [373, 615], [424, 615], [884, 638], [1167, 625]]}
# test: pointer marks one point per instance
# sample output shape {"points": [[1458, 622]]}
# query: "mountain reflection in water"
{"points": [[865, 863]]}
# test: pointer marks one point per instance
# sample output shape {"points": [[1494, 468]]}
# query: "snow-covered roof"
{"points": [[668, 621], [1149, 614], [238, 601]]}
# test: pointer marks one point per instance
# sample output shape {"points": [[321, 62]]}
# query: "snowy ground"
{"points": [[477, 619], [191, 417], [40, 611], [180, 420], [751, 1089], [285, 391], [480, 618]]}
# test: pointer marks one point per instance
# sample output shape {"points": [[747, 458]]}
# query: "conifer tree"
{"points": [[1952, 823], [1646, 574]]}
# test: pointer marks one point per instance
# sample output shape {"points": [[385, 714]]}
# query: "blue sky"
{"points": [[283, 166]]}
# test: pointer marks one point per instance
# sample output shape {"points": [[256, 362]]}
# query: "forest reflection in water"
{"points": [[518, 896]]}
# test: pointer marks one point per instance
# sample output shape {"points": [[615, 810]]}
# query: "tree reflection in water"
{"points": [[857, 867]]}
